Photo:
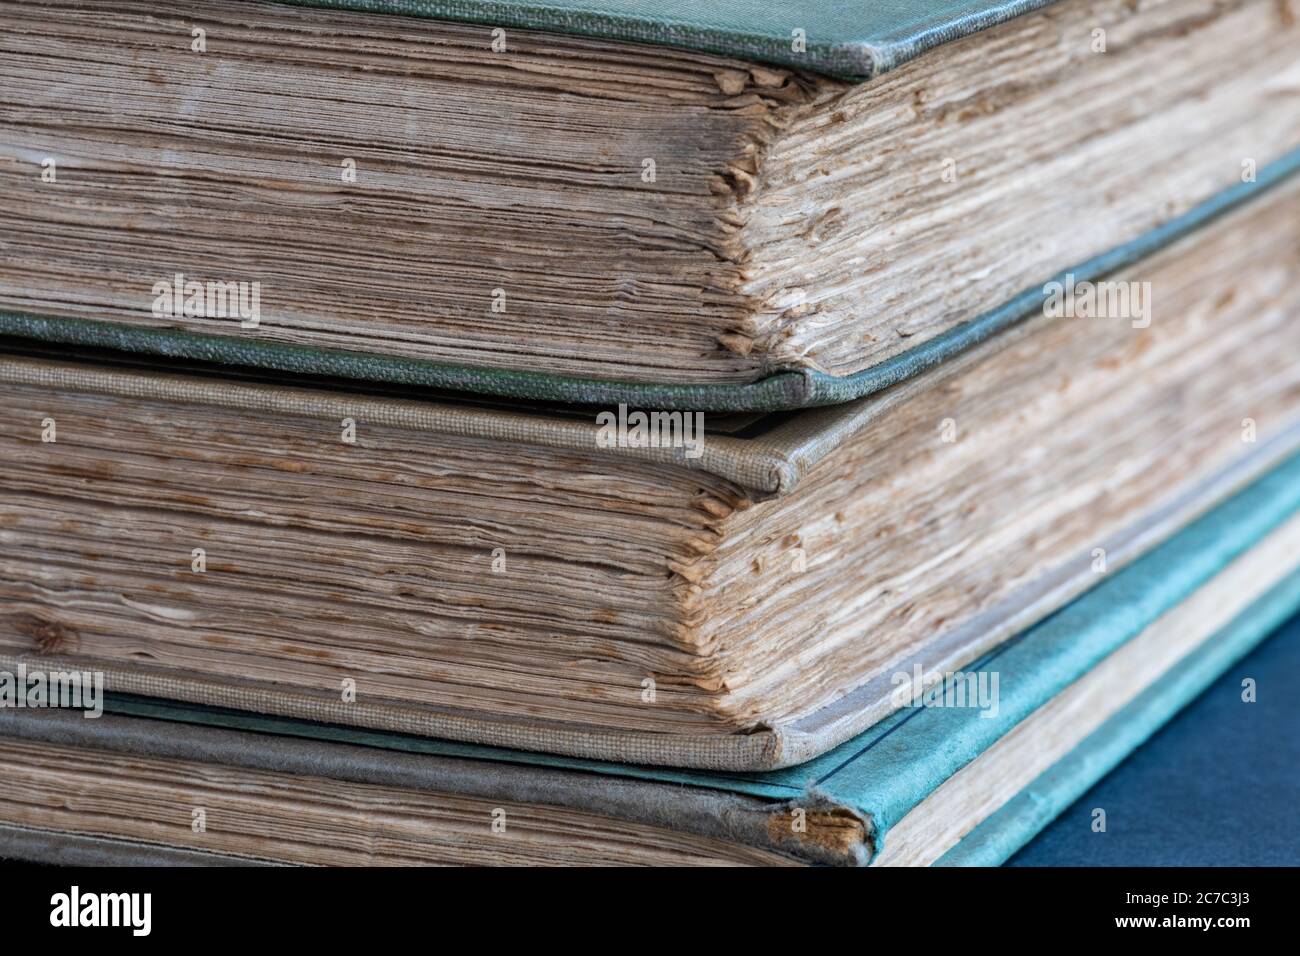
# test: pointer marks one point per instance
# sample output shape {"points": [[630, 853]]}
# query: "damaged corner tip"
{"points": [[818, 829], [784, 475], [763, 475], [857, 62]]}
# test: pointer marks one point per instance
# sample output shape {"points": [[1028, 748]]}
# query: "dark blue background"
{"points": [[1218, 786]]}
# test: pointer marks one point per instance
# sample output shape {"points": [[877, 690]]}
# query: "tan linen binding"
{"points": [[727, 457], [705, 751]]}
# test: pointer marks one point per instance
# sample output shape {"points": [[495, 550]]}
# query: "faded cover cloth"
{"points": [[788, 389], [878, 776]]}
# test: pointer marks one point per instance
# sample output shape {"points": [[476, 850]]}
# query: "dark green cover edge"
{"points": [[850, 39], [783, 390], [777, 391], [1019, 820]]}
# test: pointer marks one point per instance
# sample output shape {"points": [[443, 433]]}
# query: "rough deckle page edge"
{"points": [[1179, 563], [784, 390]]}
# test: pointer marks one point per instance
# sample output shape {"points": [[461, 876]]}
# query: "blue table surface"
{"points": [[1219, 785]]}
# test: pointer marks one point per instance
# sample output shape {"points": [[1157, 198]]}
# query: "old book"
{"points": [[547, 579], [753, 208], [952, 779]]}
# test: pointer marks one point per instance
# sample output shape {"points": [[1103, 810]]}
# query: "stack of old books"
{"points": [[475, 432]]}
